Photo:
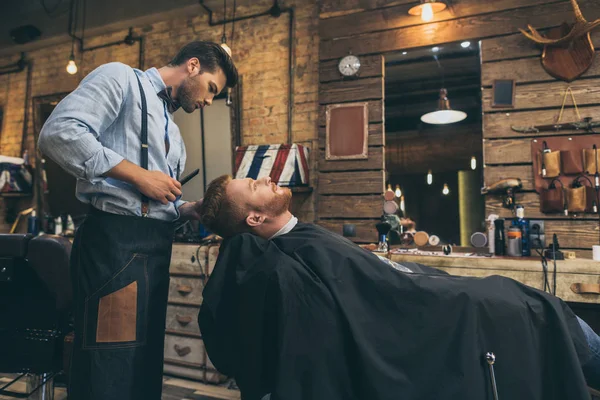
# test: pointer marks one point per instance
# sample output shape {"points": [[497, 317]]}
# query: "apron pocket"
{"points": [[116, 315]]}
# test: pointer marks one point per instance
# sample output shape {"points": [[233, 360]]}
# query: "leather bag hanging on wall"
{"points": [[572, 162], [550, 162], [552, 199], [581, 198], [590, 160]]}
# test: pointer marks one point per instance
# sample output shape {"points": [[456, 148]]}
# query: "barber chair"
{"points": [[35, 304]]}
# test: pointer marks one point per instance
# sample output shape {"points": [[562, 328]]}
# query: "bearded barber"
{"points": [[115, 133]]}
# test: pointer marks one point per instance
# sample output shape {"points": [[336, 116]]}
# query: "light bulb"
{"points": [[465, 44], [72, 67], [226, 48], [445, 191], [426, 12], [402, 203], [429, 178], [473, 163], [398, 191], [389, 187]]}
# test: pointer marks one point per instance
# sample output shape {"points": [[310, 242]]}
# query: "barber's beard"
{"points": [[185, 95], [280, 203]]}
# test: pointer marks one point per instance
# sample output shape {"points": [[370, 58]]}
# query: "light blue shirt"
{"points": [[99, 124]]}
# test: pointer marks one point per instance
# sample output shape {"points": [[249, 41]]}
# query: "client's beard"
{"points": [[280, 203]]}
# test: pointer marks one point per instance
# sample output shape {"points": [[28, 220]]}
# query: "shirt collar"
{"points": [[154, 77], [286, 228]]}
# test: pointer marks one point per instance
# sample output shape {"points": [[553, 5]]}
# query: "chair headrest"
{"points": [[14, 245]]}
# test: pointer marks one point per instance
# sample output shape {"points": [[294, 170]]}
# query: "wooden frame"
{"points": [[341, 121], [509, 82]]}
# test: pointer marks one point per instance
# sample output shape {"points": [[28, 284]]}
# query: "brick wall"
{"points": [[260, 49]]}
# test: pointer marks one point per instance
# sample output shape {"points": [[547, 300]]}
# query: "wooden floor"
{"points": [[173, 389]]}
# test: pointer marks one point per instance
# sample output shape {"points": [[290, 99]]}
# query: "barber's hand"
{"points": [[158, 186], [190, 210]]}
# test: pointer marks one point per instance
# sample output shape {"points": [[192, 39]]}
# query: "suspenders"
{"points": [[144, 163]]}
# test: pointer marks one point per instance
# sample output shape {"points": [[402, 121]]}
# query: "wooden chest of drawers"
{"points": [[185, 356]]}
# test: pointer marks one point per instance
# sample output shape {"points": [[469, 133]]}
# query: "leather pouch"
{"points": [[552, 199]]}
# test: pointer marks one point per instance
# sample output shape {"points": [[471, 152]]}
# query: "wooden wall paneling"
{"points": [[365, 229], [541, 95], [370, 66], [493, 174], [351, 91], [516, 46], [528, 70], [469, 28], [497, 125], [375, 136], [398, 17], [374, 162], [369, 206], [333, 8], [531, 202], [356, 182]]}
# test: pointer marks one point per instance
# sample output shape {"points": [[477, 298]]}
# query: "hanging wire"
{"points": [[232, 26], [50, 11], [435, 57], [224, 37]]}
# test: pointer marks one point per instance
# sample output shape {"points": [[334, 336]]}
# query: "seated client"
{"points": [[293, 311]]}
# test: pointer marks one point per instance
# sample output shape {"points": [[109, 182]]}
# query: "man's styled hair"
{"points": [[219, 213], [211, 56]]}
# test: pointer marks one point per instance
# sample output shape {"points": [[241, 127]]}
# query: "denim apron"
{"points": [[120, 276]]}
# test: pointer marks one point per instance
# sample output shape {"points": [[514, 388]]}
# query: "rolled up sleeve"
{"points": [[71, 134]]}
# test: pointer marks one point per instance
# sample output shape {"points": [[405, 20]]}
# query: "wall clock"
{"points": [[349, 65]]}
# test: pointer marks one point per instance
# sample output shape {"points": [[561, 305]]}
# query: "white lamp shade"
{"points": [[441, 117]]}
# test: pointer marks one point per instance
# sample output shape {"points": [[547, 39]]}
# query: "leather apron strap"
{"points": [[144, 161]]}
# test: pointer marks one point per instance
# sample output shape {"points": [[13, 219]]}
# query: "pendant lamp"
{"points": [[444, 114], [427, 8]]}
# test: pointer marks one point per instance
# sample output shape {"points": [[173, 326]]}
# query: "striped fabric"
{"points": [[287, 165]]}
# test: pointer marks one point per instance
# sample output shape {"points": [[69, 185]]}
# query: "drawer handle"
{"points": [[183, 320], [182, 351], [184, 289], [586, 288]]}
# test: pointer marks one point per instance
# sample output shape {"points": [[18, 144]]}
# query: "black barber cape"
{"points": [[309, 315]]}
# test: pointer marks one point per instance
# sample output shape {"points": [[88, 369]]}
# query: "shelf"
{"points": [[15, 194]]}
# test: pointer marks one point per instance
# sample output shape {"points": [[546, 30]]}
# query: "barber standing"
{"points": [[115, 133]]}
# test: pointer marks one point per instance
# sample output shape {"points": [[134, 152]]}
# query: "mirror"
{"points": [[435, 158], [206, 133]]}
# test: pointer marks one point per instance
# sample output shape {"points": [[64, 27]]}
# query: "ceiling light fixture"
{"points": [[444, 114], [445, 190], [429, 177], [427, 8], [465, 44], [473, 163], [435, 49], [398, 191]]}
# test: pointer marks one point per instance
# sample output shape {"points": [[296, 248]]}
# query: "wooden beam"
{"points": [[470, 28], [541, 95], [333, 8], [516, 46], [370, 66], [351, 91], [527, 70], [365, 229], [363, 182], [398, 17], [375, 135], [492, 174], [497, 125], [374, 162], [370, 206], [507, 151], [531, 202], [375, 112]]}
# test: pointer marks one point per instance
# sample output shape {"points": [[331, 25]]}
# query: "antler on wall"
{"points": [[581, 27]]}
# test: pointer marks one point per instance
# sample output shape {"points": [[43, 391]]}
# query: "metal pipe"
{"points": [[14, 67], [27, 101]]}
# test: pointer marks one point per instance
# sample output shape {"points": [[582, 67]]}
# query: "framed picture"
{"points": [[347, 131], [503, 93]]}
